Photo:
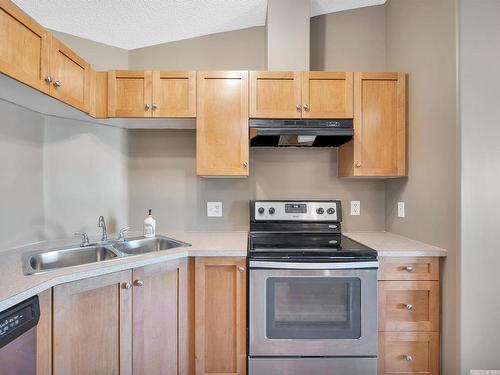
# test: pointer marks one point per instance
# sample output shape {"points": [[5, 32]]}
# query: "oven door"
{"points": [[318, 309]]}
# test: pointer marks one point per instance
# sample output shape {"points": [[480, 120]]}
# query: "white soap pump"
{"points": [[149, 226]]}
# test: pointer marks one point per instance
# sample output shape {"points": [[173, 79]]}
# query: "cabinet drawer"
{"points": [[409, 305], [408, 353], [414, 268]]}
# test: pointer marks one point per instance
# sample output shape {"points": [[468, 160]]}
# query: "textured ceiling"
{"points": [[133, 24]]}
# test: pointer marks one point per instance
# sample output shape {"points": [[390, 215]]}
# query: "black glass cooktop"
{"points": [[307, 247]]}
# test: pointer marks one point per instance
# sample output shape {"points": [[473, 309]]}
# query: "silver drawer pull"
{"points": [[331, 226], [409, 269], [408, 358], [126, 285], [333, 242], [241, 269], [409, 306]]}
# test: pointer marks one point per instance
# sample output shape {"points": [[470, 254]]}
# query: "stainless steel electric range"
{"points": [[312, 292]]}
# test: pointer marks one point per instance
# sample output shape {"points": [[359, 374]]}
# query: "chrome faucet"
{"points": [[85, 239], [102, 224]]}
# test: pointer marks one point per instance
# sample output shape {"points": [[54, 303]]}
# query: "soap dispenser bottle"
{"points": [[149, 226]]}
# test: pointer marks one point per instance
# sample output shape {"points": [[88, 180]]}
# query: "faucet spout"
{"points": [[102, 224]]}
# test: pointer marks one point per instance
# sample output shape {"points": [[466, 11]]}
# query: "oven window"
{"points": [[313, 308]]}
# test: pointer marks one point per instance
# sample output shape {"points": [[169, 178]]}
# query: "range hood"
{"points": [[300, 133]]}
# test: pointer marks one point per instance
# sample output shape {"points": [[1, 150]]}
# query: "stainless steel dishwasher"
{"points": [[18, 338]]}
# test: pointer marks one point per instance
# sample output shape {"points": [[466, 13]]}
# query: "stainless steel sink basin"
{"points": [[67, 257], [43, 261], [143, 245]]}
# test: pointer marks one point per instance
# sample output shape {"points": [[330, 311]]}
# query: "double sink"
{"points": [[38, 262]]}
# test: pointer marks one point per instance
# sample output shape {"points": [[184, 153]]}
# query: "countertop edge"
{"points": [[104, 270]]}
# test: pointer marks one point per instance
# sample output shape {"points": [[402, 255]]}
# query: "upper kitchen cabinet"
{"points": [[69, 75], [24, 47], [379, 145], [151, 93], [327, 95], [275, 95], [222, 136], [129, 93], [98, 106], [31, 55], [174, 93], [301, 95]]}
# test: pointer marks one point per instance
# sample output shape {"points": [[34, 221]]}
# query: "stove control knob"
{"points": [[271, 211], [331, 211], [261, 210], [320, 211]]}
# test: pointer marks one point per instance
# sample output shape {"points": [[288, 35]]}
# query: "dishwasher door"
{"points": [[18, 338]]}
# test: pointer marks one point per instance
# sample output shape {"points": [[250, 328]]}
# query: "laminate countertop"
{"points": [[16, 287], [392, 245]]}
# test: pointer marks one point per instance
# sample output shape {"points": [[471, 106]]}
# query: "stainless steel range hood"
{"points": [[300, 133]]}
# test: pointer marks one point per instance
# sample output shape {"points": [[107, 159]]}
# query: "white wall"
{"points": [[421, 40], [21, 176], [480, 141], [85, 175], [162, 176]]}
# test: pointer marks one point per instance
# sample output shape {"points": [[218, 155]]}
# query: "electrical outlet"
{"points": [[355, 208], [401, 209], [214, 209]]}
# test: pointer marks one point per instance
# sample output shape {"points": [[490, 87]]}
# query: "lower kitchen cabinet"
{"points": [[92, 326], [220, 315], [43, 334], [128, 322], [409, 316], [160, 318]]}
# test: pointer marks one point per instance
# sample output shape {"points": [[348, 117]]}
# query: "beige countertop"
{"points": [[392, 245], [16, 287]]}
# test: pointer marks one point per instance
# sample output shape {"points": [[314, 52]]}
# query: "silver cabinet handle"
{"points": [[146, 106], [154, 106], [48, 79], [409, 269], [126, 285], [138, 283], [358, 164], [57, 83], [241, 269], [409, 306], [306, 107], [298, 107], [245, 164], [408, 358]]}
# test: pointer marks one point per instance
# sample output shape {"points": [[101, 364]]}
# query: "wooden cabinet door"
{"points": [[220, 321], [408, 353], [98, 106], [92, 326], [70, 75], [408, 305], [129, 93], [275, 95], [327, 95], [24, 47], [44, 334], [160, 337], [222, 135], [174, 93], [408, 268], [379, 145]]}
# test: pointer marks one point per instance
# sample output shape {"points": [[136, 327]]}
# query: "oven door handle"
{"points": [[313, 266]]}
